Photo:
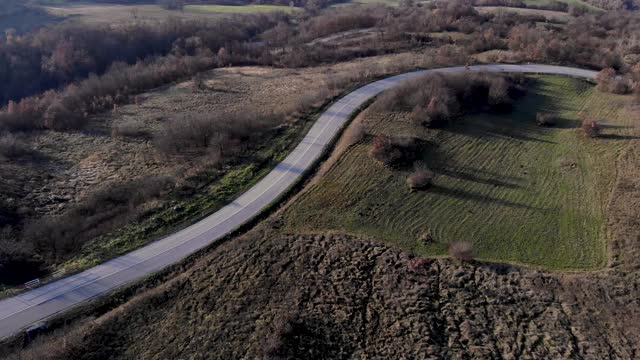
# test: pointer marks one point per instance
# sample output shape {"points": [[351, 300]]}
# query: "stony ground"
{"points": [[335, 297]]}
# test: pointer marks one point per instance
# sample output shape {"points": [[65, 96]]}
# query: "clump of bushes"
{"points": [[609, 81], [591, 128], [395, 151], [435, 99], [418, 265], [545, 119], [461, 250], [420, 179], [67, 109], [218, 134]]}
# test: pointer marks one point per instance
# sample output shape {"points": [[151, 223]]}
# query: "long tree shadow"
{"points": [[618, 137], [499, 129], [468, 195], [605, 125], [472, 176], [565, 123], [492, 174]]}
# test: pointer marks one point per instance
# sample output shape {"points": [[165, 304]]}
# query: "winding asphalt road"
{"points": [[21, 311]]}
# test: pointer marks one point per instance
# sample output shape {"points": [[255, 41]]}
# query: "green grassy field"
{"points": [[368, 2], [105, 13], [552, 17], [518, 192], [569, 2], [239, 9]]}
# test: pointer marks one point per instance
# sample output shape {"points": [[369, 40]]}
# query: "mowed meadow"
{"points": [[518, 192]]}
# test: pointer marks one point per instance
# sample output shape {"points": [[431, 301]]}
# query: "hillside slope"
{"points": [[518, 191], [283, 296]]}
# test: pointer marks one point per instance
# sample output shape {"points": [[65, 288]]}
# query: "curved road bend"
{"points": [[23, 310]]}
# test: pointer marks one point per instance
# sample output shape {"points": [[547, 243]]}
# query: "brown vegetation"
{"points": [[317, 296], [395, 151], [54, 182], [608, 81], [436, 99], [53, 57], [221, 134], [420, 179], [461, 250], [11, 147], [131, 129], [68, 109], [615, 4], [382, 283], [107, 209], [545, 119], [591, 128]]}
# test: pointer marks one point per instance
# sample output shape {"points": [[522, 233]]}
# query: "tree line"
{"points": [[108, 65], [55, 56]]}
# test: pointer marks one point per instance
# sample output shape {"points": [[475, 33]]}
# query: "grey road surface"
{"points": [[25, 309]]}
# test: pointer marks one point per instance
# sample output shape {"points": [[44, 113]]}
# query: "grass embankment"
{"points": [[518, 192], [568, 2], [552, 17], [101, 13], [239, 9]]}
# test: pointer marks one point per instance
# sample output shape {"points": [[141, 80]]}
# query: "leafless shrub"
{"points": [[426, 238], [281, 331], [198, 83], [461, 250], [435, 99], [384, 150], [609, 81], [355, 133], [132, 129], [591, 128], [59, 117], [113, 206], [220, 134], [11, 147], [418, 265], [309, 100], [620, 87], [545, 119], [420, 179], [394, 151]]}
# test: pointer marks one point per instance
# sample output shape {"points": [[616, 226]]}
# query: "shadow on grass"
{"points": [[468, 195], [614, 126], [564, 123], [618, 137], [471, 175], [500, 129]]}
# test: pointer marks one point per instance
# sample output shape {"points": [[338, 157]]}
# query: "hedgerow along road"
{"points": [[23, 310]]}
